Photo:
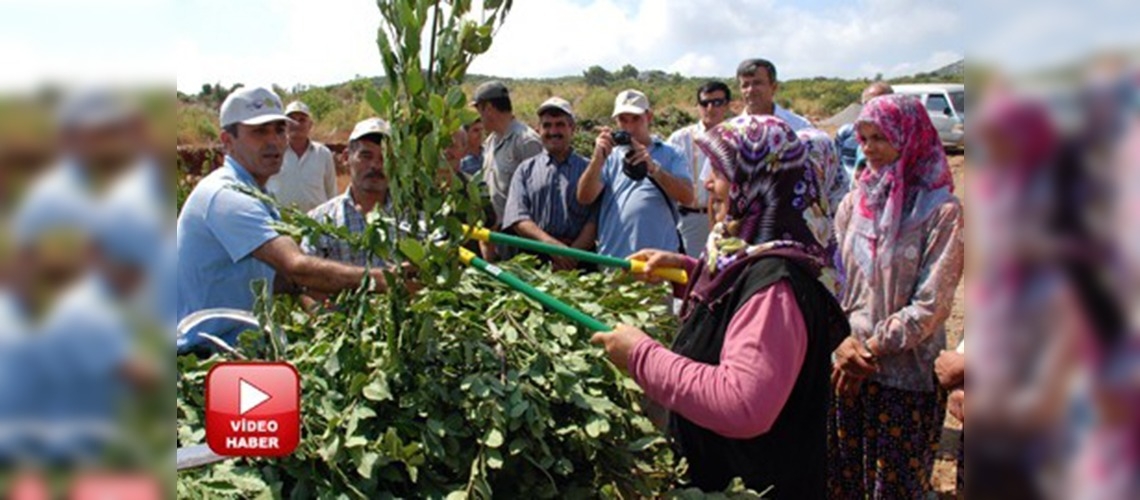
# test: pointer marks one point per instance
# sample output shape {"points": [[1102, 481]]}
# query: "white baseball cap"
{"points": [[298, 107], [94, 107], [630, 101], [369, 126], [252, 106]]}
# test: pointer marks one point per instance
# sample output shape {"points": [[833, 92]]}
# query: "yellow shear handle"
{"points": [[673, 274], [478, 233], [466, 256]]}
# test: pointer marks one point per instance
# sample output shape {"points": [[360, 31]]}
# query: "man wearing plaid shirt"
{"points": [[368, 190]]}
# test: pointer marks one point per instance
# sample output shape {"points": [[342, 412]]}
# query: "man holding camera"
{"points": [[640, 179]]}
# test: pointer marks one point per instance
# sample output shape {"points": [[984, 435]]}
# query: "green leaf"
{"points": [[378, 104], [367, 463], [518, 409], [494, 459], [597, 426], [644, 443], [413, 250], [378, 389], [415, 79], [493, 439]]}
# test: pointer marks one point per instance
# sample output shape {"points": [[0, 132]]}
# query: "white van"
{"points": [[946, 105]]}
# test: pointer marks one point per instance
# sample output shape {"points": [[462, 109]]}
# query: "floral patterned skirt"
{"points": [[882, 442]]}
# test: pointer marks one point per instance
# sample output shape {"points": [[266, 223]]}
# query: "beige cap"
{"points": [[630, 101], [370, 126], [557, 103], [298, 107]]}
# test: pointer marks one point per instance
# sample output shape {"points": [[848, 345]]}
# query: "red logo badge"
{"points": [[253, 409]]}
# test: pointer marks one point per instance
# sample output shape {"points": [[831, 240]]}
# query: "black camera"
{"points": [[635, 171]]}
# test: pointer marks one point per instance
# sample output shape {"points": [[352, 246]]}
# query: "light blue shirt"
{"points": [[850, 153], [136, 230], [59, 200], [218, 230], [635, 215]]}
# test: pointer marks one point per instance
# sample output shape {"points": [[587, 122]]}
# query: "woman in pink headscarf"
{"points": [[901, 250]]}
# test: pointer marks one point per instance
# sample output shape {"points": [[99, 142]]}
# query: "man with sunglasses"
{"points": [[758, 87], [712, 107]]}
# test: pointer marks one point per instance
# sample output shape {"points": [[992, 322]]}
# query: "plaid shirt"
{"points": [[341, 211]]}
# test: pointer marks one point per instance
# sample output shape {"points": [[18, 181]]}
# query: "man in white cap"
{"points": [[308, 175], [640, 179], [543, 202], [226, 239], [509, 143], [367, 191], [100, 137]]}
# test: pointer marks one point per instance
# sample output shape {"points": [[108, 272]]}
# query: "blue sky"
{"points": [[290, 42]]}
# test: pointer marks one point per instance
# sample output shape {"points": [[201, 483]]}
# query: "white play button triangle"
{"points": [[250, 397]]}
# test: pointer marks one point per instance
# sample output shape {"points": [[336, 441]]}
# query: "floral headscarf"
{"points": [[903, 194], [772, 186], [834, 183], [833, 180]]}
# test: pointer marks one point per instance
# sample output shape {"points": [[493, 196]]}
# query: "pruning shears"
{"points": [[635, 266]]}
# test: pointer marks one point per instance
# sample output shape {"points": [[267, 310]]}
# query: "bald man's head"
{"points": [[875, 90]]}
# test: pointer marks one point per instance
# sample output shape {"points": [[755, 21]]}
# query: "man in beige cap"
{"points": [[367, 192], [308, 175], [543, 203], [226, 236], [640, 180], [509, 143]]}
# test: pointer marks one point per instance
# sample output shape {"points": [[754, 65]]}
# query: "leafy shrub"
{"points": [[481, 393]]}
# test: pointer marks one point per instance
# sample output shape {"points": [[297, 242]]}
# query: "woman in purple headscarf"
{"points": [[901, 249], [747, 378]]}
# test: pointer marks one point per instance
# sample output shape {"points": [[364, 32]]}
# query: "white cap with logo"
{"points": [[369, 126], [630, 101], [252, 106]]}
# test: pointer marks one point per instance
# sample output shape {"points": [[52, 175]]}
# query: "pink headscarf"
{"points": [[904, 194]]}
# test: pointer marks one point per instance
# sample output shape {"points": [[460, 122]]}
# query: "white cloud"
{"points": [[324, 42], [332, 41], [68, 42], [709, 37]]}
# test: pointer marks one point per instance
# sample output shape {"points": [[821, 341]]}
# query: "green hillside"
{"points": [[338, 107]]}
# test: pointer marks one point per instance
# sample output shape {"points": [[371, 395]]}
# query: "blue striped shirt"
{"points": [[545, 192]]}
